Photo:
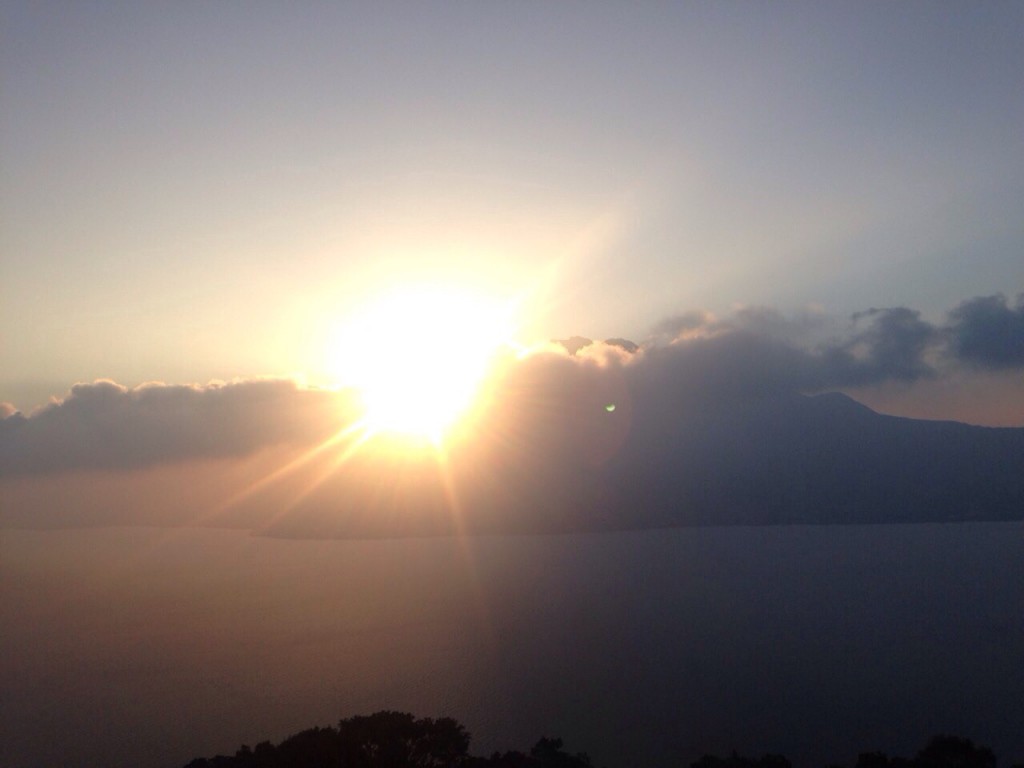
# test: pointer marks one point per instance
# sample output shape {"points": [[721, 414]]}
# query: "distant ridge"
{"points": [[828, 459], [774, 459]]}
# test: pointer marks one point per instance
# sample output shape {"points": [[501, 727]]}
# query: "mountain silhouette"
{"points": [[820, 459], [719, 458]]}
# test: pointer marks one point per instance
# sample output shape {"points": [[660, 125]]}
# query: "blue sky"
{"points": [[197, 191]]}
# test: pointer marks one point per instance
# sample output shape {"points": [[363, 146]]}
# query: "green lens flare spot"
{"points": [[610, 407]]}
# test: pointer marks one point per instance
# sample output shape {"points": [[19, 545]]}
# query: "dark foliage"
{"points": [[738, 761], [940, 752], [399, 740], [546, 753], [389, 740]]}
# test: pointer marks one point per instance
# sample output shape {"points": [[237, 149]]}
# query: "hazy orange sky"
{"points": [[208, 192]]}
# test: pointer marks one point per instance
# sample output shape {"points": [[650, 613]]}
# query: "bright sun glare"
{"points": [[420, 356]]}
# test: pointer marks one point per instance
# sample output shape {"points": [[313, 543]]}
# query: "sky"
{"points": [[196, 192], [244, 245]]}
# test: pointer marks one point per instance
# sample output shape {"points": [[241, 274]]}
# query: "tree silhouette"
{"points": [[954, 752], [389, 740], [737, 761], [399, 740]]}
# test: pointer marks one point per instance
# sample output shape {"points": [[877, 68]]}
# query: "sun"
{"points": [[419, 357]]}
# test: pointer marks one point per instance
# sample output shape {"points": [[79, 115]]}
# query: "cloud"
{"points": [[759, 347], [107, 426], [684, 324], [892, 347], [987, 333], [546, 411], [711, 427]]}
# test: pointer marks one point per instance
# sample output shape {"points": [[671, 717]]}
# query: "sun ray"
{"points": [[351, 433], [358, 434], [416, 363], [464, 542]]}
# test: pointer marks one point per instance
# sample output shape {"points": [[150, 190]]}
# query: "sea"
{"points": [[147, 647]]}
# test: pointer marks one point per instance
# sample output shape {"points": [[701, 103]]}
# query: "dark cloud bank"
{"points": [[715, 422], [107, 426]]}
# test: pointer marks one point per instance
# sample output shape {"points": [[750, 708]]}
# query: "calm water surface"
{"points": [[143, 647]]}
